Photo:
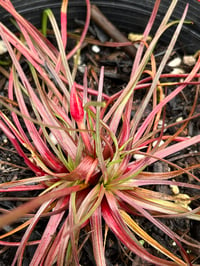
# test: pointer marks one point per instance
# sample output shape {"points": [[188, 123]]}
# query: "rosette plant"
{"points": [[81, 144]]}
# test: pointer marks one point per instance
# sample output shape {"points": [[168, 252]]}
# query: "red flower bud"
{"points": [[76, 106]]}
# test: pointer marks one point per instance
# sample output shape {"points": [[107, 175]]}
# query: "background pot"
{"points": [[127, 15]]}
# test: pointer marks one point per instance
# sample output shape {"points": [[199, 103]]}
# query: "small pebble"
{"points": [[95, 49], [179, 119], [175, 189], [160, 124], [3, 48], [53, 139], [189, 60], [174, 62], [177, 71], [155, 143], [81, 68], [5, 140], [138, 156]]}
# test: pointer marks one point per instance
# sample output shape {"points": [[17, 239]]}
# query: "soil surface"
{"points": [[117, 71]]}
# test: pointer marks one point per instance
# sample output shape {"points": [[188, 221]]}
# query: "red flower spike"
{"points": [[76, 106]]}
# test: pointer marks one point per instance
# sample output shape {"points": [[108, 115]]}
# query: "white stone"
{"points": [[160, 124], [179, 119], [95, 49], [3, 48], [174, 62], [5, 140], [138, 156], [53, 139], [189, 60], [155, 143], [177, 71], [81, 68], [175, 189]]}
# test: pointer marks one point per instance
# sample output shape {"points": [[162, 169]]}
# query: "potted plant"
{"points": [[83, 146]]}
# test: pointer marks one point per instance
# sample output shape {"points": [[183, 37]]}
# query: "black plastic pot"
{"points": [[127, 15]]}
